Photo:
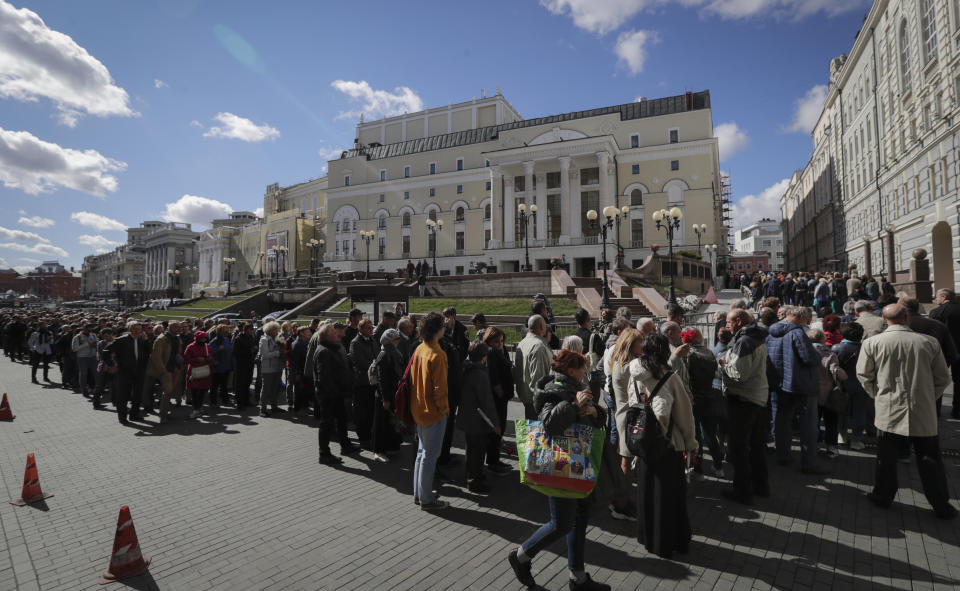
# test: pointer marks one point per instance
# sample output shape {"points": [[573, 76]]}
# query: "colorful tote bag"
{"points": [[563, 466]]}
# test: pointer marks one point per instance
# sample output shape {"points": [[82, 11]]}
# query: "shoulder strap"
{"points": [[656, 388]]}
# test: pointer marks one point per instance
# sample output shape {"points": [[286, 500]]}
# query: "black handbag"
{"points": [[644, 436], [838, 399]]}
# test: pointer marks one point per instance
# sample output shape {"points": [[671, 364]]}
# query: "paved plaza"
{"points": [[239, 502]]}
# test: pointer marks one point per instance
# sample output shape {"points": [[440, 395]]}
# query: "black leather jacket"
{"points": [[554, 400]]}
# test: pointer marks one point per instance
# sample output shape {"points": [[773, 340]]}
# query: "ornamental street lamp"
{"points": [[367, 238], [699, 231], [118, 285], [229, 262], [314, 245], [432, 228], [260, 255], [609, 214], [622, 216], [669, 221], [282, 250], [174, 279], [711, 250], [525, 219]]}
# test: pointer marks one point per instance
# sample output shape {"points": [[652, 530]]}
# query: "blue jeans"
{"points": [[568, 517], [87, 368], [428, 450], [787, 405]]}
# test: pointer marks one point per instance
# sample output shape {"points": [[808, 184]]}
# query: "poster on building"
{"points": [[275, 263]]}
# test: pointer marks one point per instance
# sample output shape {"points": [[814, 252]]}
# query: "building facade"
{"points": [[750, 262], [51, 281], [101, 273], [214, 247], [890, 125], [468, 167], [170, 261], [765, 235]]}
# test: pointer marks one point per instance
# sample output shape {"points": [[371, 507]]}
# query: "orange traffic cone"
{"points": [[31, 485], [126, 561], [5, 413]]}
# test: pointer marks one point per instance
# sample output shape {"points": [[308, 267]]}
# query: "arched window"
{"points": [[432, 215], [405, 220], [904, 58], [459, 214], [382, 222], [486, 211], [636, 197], [928, 29]]}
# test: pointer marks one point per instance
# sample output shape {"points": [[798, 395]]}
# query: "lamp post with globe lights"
{"points": [[229, 262], [699, 230], [525, 219], [622, 216], [282, 251], [367, 238], [711, 250], [433, 227], [118, 284], [669, 221], [610, 214]]}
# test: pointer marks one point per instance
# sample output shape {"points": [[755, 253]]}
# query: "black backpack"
{"points": [[644, 436]]}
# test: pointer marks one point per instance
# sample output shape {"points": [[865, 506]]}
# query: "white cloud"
{"points": [[35, 221], [596, 16], [377, 103], [195, 123], [43, 248], [808, 110], [158, 83], [240, 128], [778, 9], [23, 269], [631, 48], [4, 264], [732, 139], [331, 154], [750, 208], [35, 166], [97, 242], [97, 221], [259, 212], [38, 62], [199, 211], [20, 235]]}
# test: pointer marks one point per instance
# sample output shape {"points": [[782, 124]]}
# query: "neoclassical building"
{"points": [[450, 181], [887, 143]]}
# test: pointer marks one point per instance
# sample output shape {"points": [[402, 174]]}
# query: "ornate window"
{"points": [[928, 29], [904, 59]]}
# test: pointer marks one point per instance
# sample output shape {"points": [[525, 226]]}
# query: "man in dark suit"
{"points": [[129, 354], [948, 312]]}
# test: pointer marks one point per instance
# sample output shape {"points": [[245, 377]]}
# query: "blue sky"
{"points": [[113, 112]]}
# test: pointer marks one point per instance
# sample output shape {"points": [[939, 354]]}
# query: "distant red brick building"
{"points": [[750, 262], [9, 280]]}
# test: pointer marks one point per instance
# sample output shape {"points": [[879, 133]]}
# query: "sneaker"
{"points": [[831, 451], [628, 513], [588, 584], [521, 569], [857, 445], [500, 469], [195, 414], [435, 505], [381, 458]]}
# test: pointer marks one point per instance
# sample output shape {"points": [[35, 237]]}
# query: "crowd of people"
{"points": [[789, 358]]}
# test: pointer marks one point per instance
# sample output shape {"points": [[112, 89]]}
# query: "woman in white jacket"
{"points": [[664, 526]]}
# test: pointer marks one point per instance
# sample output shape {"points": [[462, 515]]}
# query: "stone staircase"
{"points": [[636, 306]]}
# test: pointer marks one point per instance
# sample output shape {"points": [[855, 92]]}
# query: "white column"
{"points": [[529, 195], [576, 221], [496, 218], [542, 206], [606, 199], [565, 198], [509, 211]]}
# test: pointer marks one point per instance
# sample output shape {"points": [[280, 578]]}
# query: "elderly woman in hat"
{"points": [[389, 368]]}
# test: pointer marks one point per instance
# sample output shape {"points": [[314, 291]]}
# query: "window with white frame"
{"points": [[405, 219], [382, 245], [459, 189], [674, 136], [904, 58], [383, 174], [433, 192], [634, 141], [432, 214], [346, 180], [460, 214], [382, 222], [382, 197], [433, 168], [928, 29], [406, 172]]}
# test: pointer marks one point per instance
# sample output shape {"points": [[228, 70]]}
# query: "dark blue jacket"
{"points": [[848, 353], [792, 362]]}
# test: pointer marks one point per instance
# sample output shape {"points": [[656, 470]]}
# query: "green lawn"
{"points": [[467, 306], [173, 314], [214, 303]]}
